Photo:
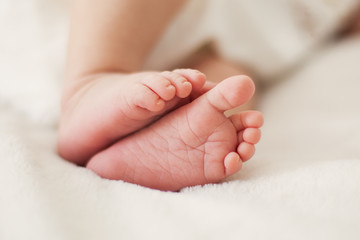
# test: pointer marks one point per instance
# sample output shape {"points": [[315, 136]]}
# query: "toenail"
{"points": [[170, 87]]}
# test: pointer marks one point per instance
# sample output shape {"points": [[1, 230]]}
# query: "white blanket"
{"points": [[303, 183]]}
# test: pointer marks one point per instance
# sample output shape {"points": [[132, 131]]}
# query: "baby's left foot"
{"points": [[108, 107], [195, 144]]}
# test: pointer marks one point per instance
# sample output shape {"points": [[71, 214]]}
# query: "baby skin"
{"points": [[163, 130], [193, 145], [111, 106]]}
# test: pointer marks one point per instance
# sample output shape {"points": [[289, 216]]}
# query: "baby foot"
{"points": [[195, 144], [114, 105]]}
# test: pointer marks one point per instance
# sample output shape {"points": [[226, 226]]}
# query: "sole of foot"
{"points": [[193, 145]]}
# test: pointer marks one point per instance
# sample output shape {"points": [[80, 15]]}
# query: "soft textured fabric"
{"points": [[267, 36], [303, 183]]}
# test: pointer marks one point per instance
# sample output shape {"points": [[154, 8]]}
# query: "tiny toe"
{"points": [[247, 119], [231, 92], [232, 163], [161, 86], [195, 77], [250, 135], [246, 151], [149, 100], [182, 86]]}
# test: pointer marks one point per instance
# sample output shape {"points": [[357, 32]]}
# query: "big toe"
{"points": [[231, 92]]}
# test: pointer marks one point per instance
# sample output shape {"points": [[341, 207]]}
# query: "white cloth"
{"points": [[268, 36], [303, 183]]}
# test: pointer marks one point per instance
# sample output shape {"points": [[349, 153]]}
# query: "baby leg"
{"points": [[109, 41]]}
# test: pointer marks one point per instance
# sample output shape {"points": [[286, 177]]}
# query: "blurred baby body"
{"points": [[268, 37]]}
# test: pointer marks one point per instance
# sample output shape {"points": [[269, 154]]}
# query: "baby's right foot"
{"points": [[195, 144], [113, 105]]}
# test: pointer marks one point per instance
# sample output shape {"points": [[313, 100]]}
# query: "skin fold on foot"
{"points": [[195, 144]]}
